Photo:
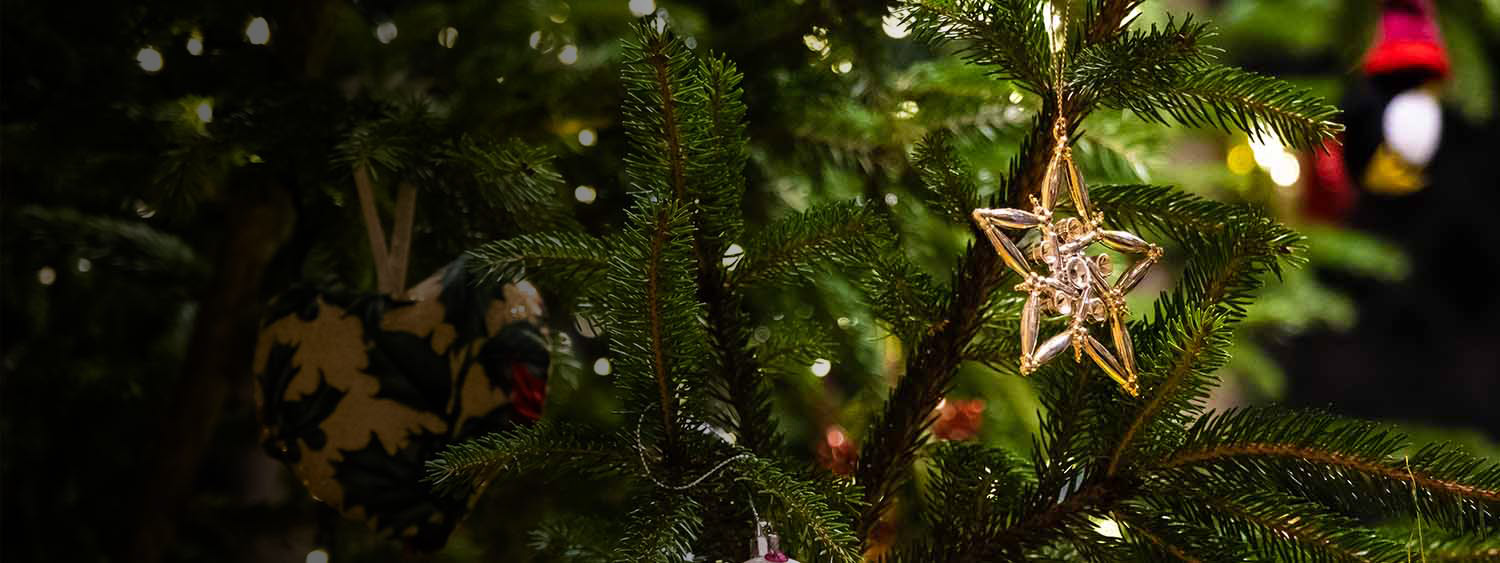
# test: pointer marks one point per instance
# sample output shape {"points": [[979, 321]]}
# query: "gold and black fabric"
{"points": [[355, 393]]}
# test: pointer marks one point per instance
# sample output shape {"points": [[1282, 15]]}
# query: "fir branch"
{"points": [[885, 460], [1277, 526], [1220, 278], [1320, 456], [661, 528], [1140, 61], [511, 179], [902, 296], [788, 251], [556, 259], [653, 314], [950, 185], [1229, 98], [467, 466], [807, 512], [1008, 35], [657, 71], [716, 163]]}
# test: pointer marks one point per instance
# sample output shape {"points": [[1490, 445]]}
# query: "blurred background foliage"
{"points": [[147, 145]]}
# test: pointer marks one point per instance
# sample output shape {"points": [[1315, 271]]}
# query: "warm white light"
{"points": [[584, 194], [204, 110], [568, 55], [447, 37], [535, 39], [1413, 124], [892, 199], [1015, 97], [46, 275], [317, 556], [821, 367], [602, 367], [587, 138], [1285, 170], [143, 210], [1267, 148], [907, 109], [150, 59], [894, 26], [561, 15], [195, 44], [258, 32], [84, 264], [1054, 26], [816, 43], [386, 32], [640, 8], [845, 322], [843, 67]]}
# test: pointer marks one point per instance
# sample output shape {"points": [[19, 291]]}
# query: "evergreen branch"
{"points": [[653, 312], [557, 259], [788, 251], [1200, 314], [902, 296], [716, 162], [808, 514], [657, 71], [1229, 98], [1140, 61], [950, 185], [1320, 456], [1008, 35], [1168, 536], [467, 466], [1278, 526], [661, 528], [515, 181], [885, 460], [574, 539]]}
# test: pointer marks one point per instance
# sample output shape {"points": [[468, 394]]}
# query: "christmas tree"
{"points": [[1110, 475], [841, 344]]}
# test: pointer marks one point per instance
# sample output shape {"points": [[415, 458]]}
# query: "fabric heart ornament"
{"points": [[356, 393]]}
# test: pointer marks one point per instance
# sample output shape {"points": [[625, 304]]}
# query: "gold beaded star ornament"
{"points": [[1077, 285]]}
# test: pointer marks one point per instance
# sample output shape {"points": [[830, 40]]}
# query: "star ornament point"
{"points": [[1068, 282]]}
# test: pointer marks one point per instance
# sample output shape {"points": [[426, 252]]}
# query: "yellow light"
{"points": [[317, 556], [821, 367], [561, 15], [1241, 160], [149, 59], [386, 32], [640, 8], [568, 55], [195, 44], [587, 137], [584, 194], [447, 37], [894, 26], [258, 32], [602, 367], [1015, 97], [843, 67], [205, 111]]}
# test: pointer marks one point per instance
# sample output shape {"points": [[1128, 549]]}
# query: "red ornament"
{"points": [[958, 419], [1409, 40], [837, 452]]}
